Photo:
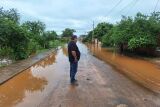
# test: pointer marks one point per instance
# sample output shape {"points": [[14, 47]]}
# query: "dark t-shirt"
{"points": [[73, 47]]}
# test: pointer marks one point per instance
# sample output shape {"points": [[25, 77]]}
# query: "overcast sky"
{"points": [[78, 14]]}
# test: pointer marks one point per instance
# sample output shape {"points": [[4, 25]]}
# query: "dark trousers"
{"points": [[73, 70]]}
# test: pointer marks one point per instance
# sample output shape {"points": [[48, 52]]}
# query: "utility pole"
{"points": [[93, 32]]}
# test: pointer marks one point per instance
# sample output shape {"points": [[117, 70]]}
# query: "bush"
{"points": [[142, 41], [14, 37], [19, 41], [6, 52], [141, 32], [106, 40], [53, 44], [33, 47]]}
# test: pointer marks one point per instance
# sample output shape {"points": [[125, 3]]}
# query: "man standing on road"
{"points": [[74, 56]]}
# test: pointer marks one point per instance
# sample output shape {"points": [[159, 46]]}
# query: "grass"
{"points": [[41, 50], [54, 45], [2, 65]]}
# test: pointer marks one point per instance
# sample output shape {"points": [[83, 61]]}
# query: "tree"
{"points": [[107, 39], [101, 30], [10, 14], [47, 38], [36, 27], [53, 35], [68, 32], [36, 31], [138, 33], [19, 41], [88, 38], [13, 36]]}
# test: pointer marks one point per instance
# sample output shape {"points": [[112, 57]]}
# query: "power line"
{"points": [[156, 5], [112, 9], [93, 32], [115, 7], [126, 6], [136, 1]]}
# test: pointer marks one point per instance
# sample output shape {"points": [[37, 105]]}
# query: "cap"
{"points": [[73, 37]]}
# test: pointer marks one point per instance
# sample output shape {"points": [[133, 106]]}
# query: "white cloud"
{"points": [[76, 14]]}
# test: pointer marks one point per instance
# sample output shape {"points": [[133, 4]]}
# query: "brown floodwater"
{"points": [[48, 81], [142, 71], [31, 87]]}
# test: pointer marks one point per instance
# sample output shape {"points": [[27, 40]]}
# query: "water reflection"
{"points": [[64, 50], [13, 92], [144, 72], [28, 88], [47, 61]]}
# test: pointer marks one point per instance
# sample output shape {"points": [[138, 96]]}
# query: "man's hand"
{"points": [[75, 60], [75, 56]]}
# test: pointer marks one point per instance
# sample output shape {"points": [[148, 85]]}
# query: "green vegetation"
{"points": [[19, 41], [101, 30], [140, 33], [66, 34], [88, 38]]}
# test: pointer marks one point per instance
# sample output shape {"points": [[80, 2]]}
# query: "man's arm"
{"points": [[74, 54]]}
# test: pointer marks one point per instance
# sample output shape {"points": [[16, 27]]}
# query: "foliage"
{"points": [[53, 44], [10, 15], [141, 41], [68, 32], [6, 52], [21, 40], [14, 37], [88, 38], [107, 39], [101, 30], [141, 31], [138, 32], [35, 27], [46, 38]]}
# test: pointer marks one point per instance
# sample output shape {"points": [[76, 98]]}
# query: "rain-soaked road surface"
{"points": [[46, 84]]}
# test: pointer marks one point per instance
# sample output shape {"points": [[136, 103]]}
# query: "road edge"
{"points": [[12, 70]]}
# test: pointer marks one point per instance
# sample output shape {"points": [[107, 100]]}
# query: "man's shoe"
{"points": [[74, 83], [75, 80]]}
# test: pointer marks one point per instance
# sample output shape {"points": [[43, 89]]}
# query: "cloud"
{"points": [[77, 14]]}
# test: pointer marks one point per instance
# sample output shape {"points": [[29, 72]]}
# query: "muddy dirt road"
{"points": [[46, 84]]}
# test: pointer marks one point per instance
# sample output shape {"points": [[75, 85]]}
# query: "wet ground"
{"points": [[46, 84], [144, 72], [8, 72]]}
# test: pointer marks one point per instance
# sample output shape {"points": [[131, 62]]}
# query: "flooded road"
{"points": [[46, 84], [142, 71]]}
